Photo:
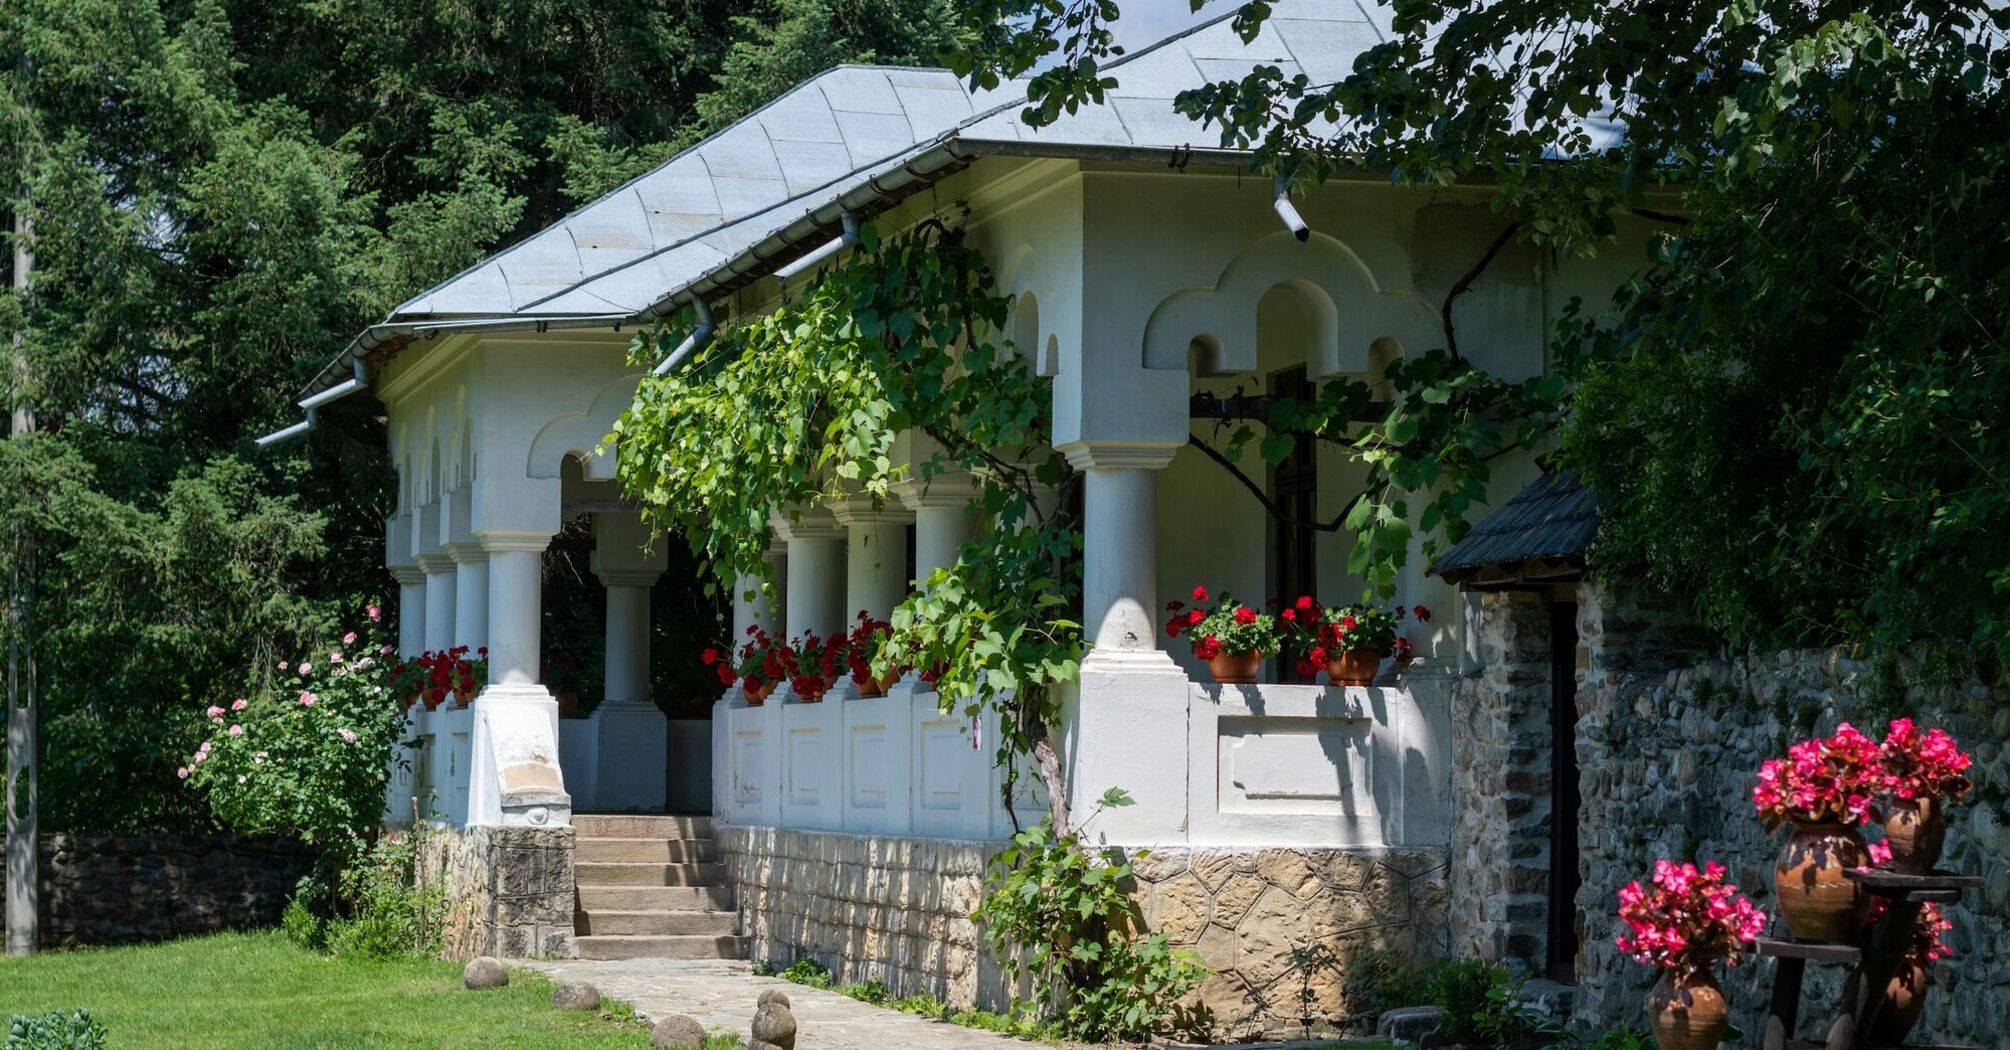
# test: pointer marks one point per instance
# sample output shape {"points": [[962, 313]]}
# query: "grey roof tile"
{"points": [[1553, 518]]}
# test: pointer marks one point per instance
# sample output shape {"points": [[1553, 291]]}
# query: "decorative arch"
{"points": [[580, 433], [1350, 310]]}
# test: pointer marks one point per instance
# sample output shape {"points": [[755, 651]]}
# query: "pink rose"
{"points": [[182, 772], [308, 699], [335, 657], [347, 734], [304, 668], [214, 712], [236, 730], [375, 613], [238, 704], [349, 639]]}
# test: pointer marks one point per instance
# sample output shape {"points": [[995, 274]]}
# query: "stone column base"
{"points": [[509, 890]]}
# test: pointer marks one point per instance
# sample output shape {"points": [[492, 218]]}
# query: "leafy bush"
{"points": [[1482, 1004], [309, 757], [1066, 907], [391, 913], [55, 1030], [1383, 980], [808, 972]]}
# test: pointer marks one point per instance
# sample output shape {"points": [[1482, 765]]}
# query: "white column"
{"points": [[875, 574], [515, 777], [814, 597], [763, 609], [431, 555], [941, 504], [632, 735], [407, 767], [471, 573], [1131, 700]]}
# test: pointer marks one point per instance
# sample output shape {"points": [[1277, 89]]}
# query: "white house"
{"points": [[1147, 266]]}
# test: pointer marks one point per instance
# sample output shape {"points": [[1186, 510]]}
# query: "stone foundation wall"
{"points": [[125, 888], [510, 891], [897, 910]]}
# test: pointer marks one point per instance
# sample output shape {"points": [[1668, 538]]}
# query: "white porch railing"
{"points": [[893, 765]]}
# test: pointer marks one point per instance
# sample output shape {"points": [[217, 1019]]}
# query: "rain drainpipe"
{"points": [[1280, 193], [692, 343], [308, 404]]}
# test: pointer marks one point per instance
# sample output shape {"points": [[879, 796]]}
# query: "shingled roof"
{"points": [[1540, 535]]}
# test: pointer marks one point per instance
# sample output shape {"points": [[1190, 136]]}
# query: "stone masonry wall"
{"points": [[510, 891], [126, 888], [1668, 742], [1501, 787], [897, 910]]}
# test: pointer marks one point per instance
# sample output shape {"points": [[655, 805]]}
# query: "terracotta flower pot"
{"points": [[759, 694], [1916, 830], [1353, 667], [1818, 902], [869, 687], [409, 701], [1236, 668], [465, 695], [888, 680], [1687, 1010], [1904, 1001]]}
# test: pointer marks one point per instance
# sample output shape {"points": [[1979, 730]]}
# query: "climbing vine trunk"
{"points": [[20, 800]]}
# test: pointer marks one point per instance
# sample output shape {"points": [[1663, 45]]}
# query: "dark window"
{"points": [[1294, 487]]}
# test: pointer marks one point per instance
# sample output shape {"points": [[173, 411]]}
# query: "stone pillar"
{"points": [[1131, 700], [815, 595], [514, 771], [875, 556], [632, 735]]}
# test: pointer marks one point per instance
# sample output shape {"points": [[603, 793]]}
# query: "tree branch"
{"points": [[1466, 283]]}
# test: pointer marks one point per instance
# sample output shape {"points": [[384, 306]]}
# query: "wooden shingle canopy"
{"points": [[1540, 536]]}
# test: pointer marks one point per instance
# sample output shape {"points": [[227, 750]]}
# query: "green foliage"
{"points": [[308, 755], [390, 913], [1062, 912], [801, 407], [54, 1031], [807, 971], [302, 926], [1482, 1004], [1794, 413], [1383, 980]]}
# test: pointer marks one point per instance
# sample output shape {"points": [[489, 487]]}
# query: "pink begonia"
{"points": [[304, 668], [1688, 918], [349, 639], [214, 712], [308, 699], [238, 704], [347, 734], [375, 613], [236, 730]]}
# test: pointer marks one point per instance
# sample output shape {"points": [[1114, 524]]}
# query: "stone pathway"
{"points": [[721, 995]]}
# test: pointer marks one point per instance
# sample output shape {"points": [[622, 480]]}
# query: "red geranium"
{"points": [[1687, 919]]}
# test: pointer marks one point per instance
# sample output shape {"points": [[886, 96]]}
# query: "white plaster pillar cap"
{"points": [[859, 510], [806, 523], [1119, 455]]}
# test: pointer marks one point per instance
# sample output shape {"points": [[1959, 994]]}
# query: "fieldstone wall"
{"points": [[1279, 926], [510, 891], [1669, 737], [1669, 743], [119, 889], [1501, 787]]}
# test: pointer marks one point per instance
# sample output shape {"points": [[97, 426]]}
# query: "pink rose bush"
{"points": [[307, 755], [1686, 919]]}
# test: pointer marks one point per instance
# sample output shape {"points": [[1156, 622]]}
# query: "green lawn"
{"points": [[258, 990]]}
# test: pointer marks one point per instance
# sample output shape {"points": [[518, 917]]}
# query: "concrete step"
{"points": [[637, 874], [618, 947], [656, 898], [610, 851], [639, 826], [601, 923]]}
